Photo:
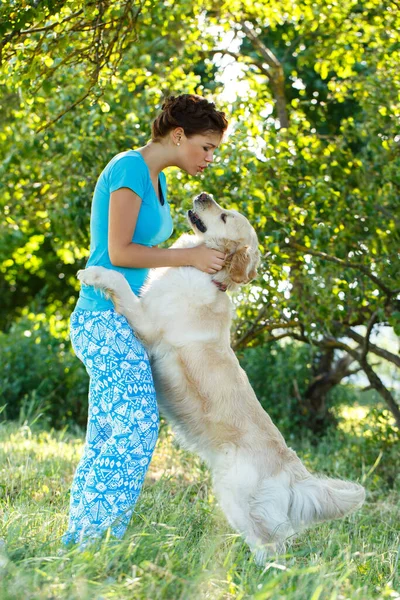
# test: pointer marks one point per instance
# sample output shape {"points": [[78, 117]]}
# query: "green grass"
{"points": [[179, 545]]}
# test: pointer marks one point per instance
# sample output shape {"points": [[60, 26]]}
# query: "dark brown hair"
{"points": [[193, 113]]}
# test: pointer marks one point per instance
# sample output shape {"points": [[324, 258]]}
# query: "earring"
{"points": [[178, 143]]}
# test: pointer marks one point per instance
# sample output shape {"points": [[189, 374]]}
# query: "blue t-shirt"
{"points": [[153, 226]]}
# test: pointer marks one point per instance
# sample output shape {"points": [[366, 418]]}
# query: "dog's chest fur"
{"points": [[185, 307]]}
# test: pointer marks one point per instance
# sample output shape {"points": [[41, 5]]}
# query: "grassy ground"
{"points": [[178, 545]]}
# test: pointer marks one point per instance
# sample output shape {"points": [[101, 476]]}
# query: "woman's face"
{"points": [[197, 152]]}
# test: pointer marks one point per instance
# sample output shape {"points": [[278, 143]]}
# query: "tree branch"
{"points": [[101, 57], [371, 323], [275, 76], [255, 329], [344, 263], [353, 372], [64, 112], [52, 25], [389, 356], [373, 378], [377, 384], [265, 52], [23, 32]]}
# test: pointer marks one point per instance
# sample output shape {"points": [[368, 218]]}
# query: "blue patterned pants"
{"points": [[122, 425]]}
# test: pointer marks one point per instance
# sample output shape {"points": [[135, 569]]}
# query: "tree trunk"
{"points": [[327, 374], [274, 73], [278, 89], [377, 384]]}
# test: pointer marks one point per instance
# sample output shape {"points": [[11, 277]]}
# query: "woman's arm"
{"points": [[123, 215]]}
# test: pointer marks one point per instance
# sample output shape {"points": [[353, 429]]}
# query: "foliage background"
{"points": [[312, 158]]}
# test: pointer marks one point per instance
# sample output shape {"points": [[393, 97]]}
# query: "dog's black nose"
{"points": [[204, 197]]}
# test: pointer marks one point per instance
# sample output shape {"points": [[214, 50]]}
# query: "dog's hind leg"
{"points": [[235, 482], [236, 505], [232, 507], [269, 509]]}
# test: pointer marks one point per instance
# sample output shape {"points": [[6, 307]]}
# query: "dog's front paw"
{"points": [[96, 276]]}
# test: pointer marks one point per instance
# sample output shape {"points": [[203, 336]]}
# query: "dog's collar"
{"points": [[221, 286]]}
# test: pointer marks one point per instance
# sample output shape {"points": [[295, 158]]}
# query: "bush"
{"points": [[280, 375], [40, 374]]}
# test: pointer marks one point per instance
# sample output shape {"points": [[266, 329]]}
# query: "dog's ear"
{"points": [[241, 269], [253, 272]]}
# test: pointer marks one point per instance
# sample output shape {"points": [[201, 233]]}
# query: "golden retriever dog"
{"points": [[183, 317]]}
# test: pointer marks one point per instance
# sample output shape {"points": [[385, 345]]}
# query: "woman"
{"points": [[130, 217]]}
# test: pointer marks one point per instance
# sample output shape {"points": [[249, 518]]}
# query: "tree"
{"points": [[312, 158], [330, 174]]}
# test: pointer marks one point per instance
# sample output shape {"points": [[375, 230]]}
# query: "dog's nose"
{"points": [[204, 197]]}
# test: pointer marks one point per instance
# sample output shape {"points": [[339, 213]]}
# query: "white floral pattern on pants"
{"points": [[122, 426]]}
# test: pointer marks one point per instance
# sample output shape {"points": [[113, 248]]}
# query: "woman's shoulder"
{"points": [[126, 166], [129, 157]]}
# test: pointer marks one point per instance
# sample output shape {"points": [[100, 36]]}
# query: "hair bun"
{"points": [[168, 103], [191, 112]]}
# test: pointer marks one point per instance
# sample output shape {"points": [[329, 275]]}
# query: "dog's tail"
{"points": [[315, 499]]}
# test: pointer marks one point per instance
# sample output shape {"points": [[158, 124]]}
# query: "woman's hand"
{"points": [[206, 259], [124, 211]]}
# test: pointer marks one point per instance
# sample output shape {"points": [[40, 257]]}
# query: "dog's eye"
{"points": [[224, 217]]}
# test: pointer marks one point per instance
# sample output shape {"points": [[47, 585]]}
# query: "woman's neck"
{"points": [[157, 157]]}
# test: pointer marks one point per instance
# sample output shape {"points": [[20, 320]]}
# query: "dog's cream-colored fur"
{"points": [[184, 321]]}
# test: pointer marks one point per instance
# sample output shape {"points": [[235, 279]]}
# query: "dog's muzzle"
{"points": [[203, 199], [201, 202], [196, 221]]}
